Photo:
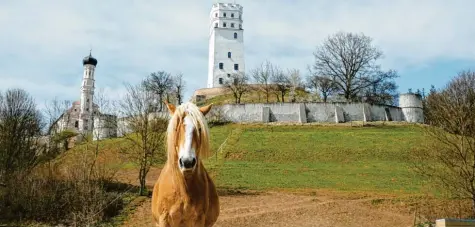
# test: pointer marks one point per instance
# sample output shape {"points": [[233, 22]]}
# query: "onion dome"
{"points": [[89, 60]]}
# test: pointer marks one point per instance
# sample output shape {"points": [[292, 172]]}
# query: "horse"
{"points": [[184, 194]]}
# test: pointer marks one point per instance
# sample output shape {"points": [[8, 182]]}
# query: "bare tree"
{"points": [[160, 83], [179, 85], [145, 130], [262, 76], [382, 90], [449, 159], [20, 127], [323, 85], [350, 60], [237, 83], [56, 112], [280, 83], [295, 82]]}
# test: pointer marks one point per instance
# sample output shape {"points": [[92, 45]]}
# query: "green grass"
{"points": [[318, 157]]}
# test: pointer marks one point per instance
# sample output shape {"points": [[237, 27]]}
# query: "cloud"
{"points": [[43, 42]]}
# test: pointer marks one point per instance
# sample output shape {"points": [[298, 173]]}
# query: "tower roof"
{"points": [[89, 60]]}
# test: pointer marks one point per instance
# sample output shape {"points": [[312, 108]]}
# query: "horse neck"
{"points": [[190, 188]]}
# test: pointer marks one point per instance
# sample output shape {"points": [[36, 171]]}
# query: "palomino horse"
{"points": [[184, 194]]}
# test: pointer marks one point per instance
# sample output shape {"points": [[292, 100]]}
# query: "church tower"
{"points": [[226, 43], [87, 94]]}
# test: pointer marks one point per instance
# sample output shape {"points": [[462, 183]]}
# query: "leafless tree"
{"points": [[449, 158], [280, 82], [56, 110], [179, 85], [145, 130], [382, 90], [262, 76], [238, 84], [20, 127], [58, 117], [295, 82], [323, 85], [160, 83], [350, 60]]}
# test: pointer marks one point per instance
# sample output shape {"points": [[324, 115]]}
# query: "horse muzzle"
{"points": [[187, 164]]}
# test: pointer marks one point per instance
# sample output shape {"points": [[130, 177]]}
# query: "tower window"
{"points": [[215, 25], [232, 25], [232, 15], [229, 75], [76, 124], [220, 80], [224, 24], [229, 54], [240, 26], [216, 15], [87, 100], [220, 65], [87, 109], [224, 14], [235, 35], [236, 67]]}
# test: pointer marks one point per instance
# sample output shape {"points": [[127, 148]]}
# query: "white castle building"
{"points": [[226, 43]]}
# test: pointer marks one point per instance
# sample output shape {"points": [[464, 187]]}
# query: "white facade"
{"points": [[105, 126], [226, 43], [411, 105], [87, 93]]}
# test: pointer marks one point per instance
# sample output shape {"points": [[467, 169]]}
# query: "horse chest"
{"points": [[188, 215]]}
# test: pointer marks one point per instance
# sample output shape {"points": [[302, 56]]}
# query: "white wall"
{"points": [[307, 112]]}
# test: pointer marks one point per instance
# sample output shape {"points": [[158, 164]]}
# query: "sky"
{"points": [[43, 42]]}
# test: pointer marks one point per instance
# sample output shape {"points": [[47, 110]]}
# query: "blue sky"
{"points": [[42, 43]]}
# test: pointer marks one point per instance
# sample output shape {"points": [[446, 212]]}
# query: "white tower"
{"points": [[226, 43], [87, 93]]}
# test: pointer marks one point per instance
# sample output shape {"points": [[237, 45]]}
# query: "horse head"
{"points": [[188, 136]]}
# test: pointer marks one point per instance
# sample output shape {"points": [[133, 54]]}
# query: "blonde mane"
{"points": [[201, 125]]}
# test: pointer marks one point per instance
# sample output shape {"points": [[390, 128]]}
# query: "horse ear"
{"points": [[170, 107], [205, 109]]}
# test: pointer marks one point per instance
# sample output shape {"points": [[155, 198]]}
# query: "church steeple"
{"points": [[87, 94]]}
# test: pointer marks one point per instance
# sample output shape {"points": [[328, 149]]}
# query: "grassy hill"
{"points": [[316, 157]]}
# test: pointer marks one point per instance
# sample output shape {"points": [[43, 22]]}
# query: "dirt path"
{"points": [[290, 209]]}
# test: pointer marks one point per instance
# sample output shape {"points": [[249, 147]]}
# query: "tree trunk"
{"points": [[282, 93], [347, 96], [179, 98], [143, 164], [325, 96], [142, 183], [160, 99]]}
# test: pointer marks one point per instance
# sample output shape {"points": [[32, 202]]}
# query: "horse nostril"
{"points": [[181, 162]]}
